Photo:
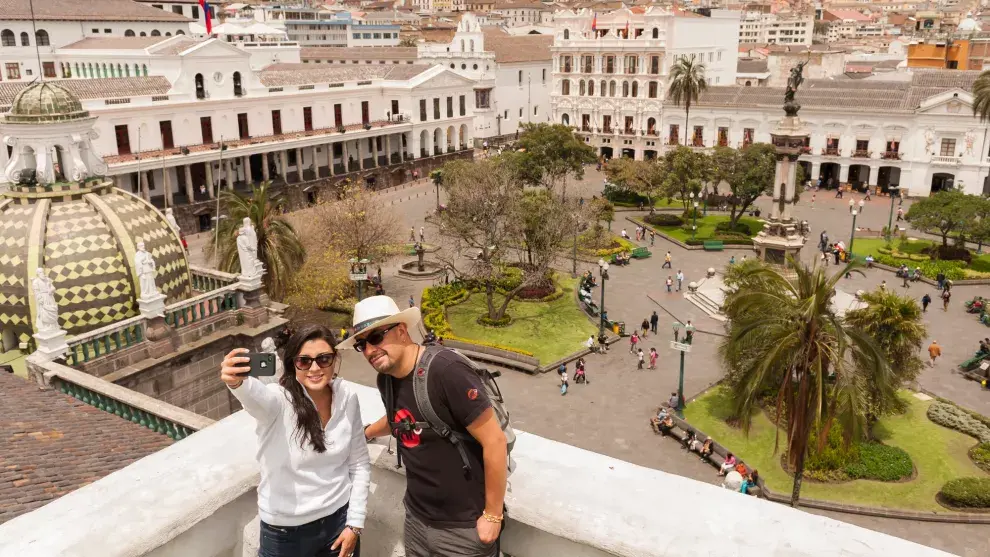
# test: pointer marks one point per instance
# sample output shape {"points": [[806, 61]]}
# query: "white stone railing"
{"points": [[938, 159], [205, 280], [198, 498]]}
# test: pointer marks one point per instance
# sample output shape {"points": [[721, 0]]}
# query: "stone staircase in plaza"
{"points": [[708, 296]]}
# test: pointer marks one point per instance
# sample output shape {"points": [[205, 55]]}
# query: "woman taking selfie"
{"points": [[315, 470]]}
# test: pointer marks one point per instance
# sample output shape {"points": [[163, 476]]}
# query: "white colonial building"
{"points": [[60, 23], [609, 82], [179, 118]]}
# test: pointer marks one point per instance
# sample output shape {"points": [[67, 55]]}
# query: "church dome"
{"points": [[84, 235], [45, 102]]}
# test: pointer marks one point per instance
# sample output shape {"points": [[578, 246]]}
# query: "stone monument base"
{"points": [[773, 248], [152, 306], [51, 344]]}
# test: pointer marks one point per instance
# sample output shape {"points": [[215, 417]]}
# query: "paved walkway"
{"points": [[610, 415]]}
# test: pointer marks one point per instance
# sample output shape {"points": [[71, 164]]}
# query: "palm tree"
{"points": [[279, 247], [687, 81], [894, 323], [786, 339], [981, 96]]}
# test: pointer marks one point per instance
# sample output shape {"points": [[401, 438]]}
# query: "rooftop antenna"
{"points": [[37, 49]]}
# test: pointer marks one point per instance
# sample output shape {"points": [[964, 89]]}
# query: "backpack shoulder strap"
{"points": [[421, 377]]}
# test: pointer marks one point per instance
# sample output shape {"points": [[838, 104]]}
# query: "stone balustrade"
{"points": [[204, 306], [106, 340], [207, 280], [198, 498], [125, 403]]}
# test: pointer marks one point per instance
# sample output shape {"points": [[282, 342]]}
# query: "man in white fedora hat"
{"points": [[455, 479]]}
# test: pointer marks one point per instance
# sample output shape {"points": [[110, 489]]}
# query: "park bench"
{"points": [[714, 245], [682, 432], [615, 260], [640, 253]]}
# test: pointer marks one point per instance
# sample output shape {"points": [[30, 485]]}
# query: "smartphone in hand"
{"points": [[262, 364]]}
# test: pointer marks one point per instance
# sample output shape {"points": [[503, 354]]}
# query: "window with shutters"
{"points": [[123, 139], [308, 118], [165, 128]]}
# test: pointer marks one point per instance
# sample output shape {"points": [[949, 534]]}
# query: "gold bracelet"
{"points": [[492, 518]]}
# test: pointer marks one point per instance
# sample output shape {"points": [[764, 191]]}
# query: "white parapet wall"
{"points": [[196, 497]]}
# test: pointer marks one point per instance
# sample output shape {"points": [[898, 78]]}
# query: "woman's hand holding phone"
{"points": [[233, 369]]}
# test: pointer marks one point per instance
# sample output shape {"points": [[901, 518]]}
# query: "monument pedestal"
{"points": [[781, 236], [51, 344], [251, 283], [152, 306]]}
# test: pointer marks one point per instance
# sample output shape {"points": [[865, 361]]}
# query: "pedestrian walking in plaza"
{"points": [[654, 319], [422, 235], [641, 358], [883, 286], [653, 237], [412, 234], [633, 342], [940, 279], [905, 277], [645, 327], [625, 236], [925, 301], [852, 205], [670, 283], [412, 301], [732, 260], [680, 279], [653, 358], [563, 381], [867, 198], [945, 299], [689, 332], [666, 261], [900, 214], [813, 200], [934, 351]]}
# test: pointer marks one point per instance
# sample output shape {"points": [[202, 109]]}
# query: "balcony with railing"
{"points": [[946, 160], [862, 154], [890, 156], [830, 151], [198, 498]]}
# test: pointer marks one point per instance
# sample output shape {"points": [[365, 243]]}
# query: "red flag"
{"points": [[594, 22], [203, 5], [627, 28]]}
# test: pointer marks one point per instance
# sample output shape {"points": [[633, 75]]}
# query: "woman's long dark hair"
{"points": [[308, 425]]}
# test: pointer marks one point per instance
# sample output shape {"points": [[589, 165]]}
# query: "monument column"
{"points": [[246, 162], [265, 173], [210, 184], [190, 191], [299, 164], [283, 162]]}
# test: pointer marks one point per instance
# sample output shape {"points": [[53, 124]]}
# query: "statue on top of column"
{"points": [[793, 82]]}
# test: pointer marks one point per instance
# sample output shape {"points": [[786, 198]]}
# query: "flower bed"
{"points": [[954, 417], [981, 456], [616, 245]]}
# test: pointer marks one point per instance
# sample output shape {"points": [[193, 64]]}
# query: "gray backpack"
{"points": [[420, 382]]}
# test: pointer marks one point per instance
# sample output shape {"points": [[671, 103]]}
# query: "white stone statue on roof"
{"points": [[247, 250], [144, 262], [170, 219], [44, 296]]}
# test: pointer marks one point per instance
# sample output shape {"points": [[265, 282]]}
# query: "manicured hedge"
{"points": [[880, 462], [967, 492], [981, 456], [953, 417], [740, 227], [727, 241], [952, 269], [664, 219]]}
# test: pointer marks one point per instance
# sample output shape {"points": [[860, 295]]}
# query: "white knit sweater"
{"points": [[299, 485]]}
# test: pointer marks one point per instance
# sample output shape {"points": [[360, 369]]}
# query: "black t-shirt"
{"points": [[438, 492]]}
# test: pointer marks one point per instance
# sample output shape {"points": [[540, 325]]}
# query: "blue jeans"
{"points": [[309, 540]]}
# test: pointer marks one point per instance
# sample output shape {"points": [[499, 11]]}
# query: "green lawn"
{"points": [[938, 453], [706, 227], [871, 246], [549, 330], [663, 202]]}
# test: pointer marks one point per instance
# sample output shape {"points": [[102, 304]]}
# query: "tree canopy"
{"points": [[753, 177], [945, 212], [644, 177], [687, 81], [548, 154]]}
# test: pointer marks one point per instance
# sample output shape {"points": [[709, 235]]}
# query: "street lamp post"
{"points": [[852, 235], [603, 272], [694, 222], [681, 347], [890, 219], [704, 198]]}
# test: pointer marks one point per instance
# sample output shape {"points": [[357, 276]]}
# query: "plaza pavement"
{"points": [[610, 415]]}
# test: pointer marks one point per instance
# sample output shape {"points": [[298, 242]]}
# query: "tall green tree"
{"points": [[785, 338], [685, 172], [687, 81], [753, 177], [981, 96], [722, 163], [894, 323], [279, 247], [548, 154], [643, 177], [945, 212]]}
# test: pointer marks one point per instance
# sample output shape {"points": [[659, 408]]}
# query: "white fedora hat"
{"points": [[377, 311]]}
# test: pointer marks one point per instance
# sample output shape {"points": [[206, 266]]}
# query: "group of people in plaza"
{"points": [[451, 432]]}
